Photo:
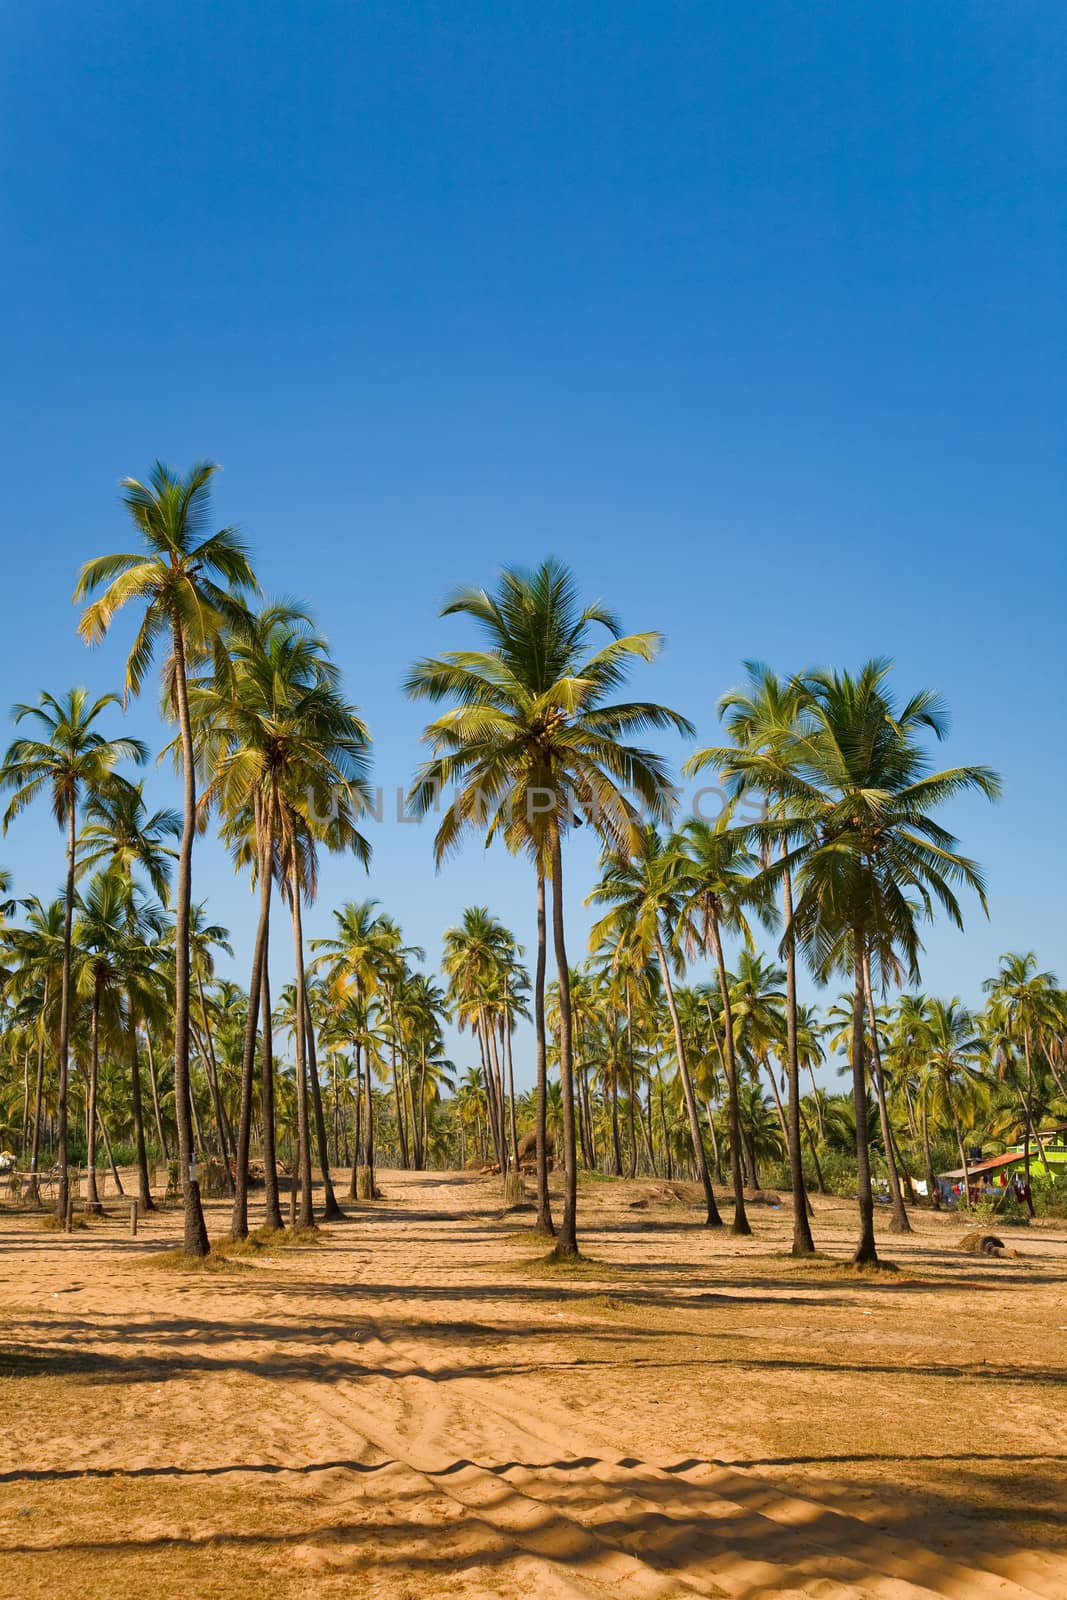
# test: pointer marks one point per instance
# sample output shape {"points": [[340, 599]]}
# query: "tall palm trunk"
{"points": [[357, 1123], [492, 1107], [212, 1066], [368, 1124], [144, 1184], [1031, 1125], [567, 1239], [331, 1211], [933, 1187], [34, 1189], [153, 1078], [271, 1197], [306, 1216], [92, 1199], [545, 1224], [110, 1155], [632, 1079], [62, 1132], [712, 1219], [898, 1222], [196, 1240], [398, 1101], [866, 1250], [239, 1219], [418, 1111], [505, 1028], [741, 1224], [958, 1131], [616, 1136], [819, 1180], [803, 1243]]}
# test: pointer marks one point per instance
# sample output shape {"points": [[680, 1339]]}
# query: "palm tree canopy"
{"points": [[531, 741], [187, 578]]}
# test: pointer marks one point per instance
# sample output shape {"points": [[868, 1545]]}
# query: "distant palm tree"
{"points": [[72, 762], [122, 836], [112, 932], [535, 750], [189, 582], [358, 960], [955, 1056], [1024, 1003], [647, 890], [35, 980], [721, 892]]}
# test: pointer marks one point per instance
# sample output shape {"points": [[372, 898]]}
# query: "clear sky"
{"points": [[754, 314]]}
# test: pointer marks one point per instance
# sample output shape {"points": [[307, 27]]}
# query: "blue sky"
{"points": [[753, 314]]}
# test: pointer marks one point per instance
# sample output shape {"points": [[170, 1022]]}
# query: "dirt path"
{"points": [[417, 1404]]}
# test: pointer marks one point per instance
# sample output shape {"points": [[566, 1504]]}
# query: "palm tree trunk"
{"points": [[592, 1159], [357, 1125], [144, 1184], [239, 1219], [492, 1105], [34, 1192], [962, 1150], [269, 1140], [632, 1078], [368, 1123], [818, 1104], [544, 1223], [110, 1155], [196, 1240], [306, 1215], [814, 1153], [712, 1218], [401, 1120], [154, 1081], [898, 1222], [716, 1154], [418, 1112], [866, 1250], [931, 1178], [1031, 1125], [668, 1161], [331, 1211], [616, 1136], [567, 1239], [803, 1243], [505, 1027], [213, 1083], [92, 1199], [24, 1137], [62, 1133], [741, 1224]]}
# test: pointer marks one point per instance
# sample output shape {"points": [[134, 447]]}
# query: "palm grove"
{"points": [[678, 1046]]}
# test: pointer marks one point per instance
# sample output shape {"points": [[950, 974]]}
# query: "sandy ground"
{"points": [[417, 1406]]}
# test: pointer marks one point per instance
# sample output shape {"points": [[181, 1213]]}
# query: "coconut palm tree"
{"points": [[953, 1071], [1023, 1006], [762, 721], [71, 762], [123, 837], [868, 857], [721, 891], [534, 748], [647, 890], [113, 927], [358, 961], [36, 952], [189, 582]]}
